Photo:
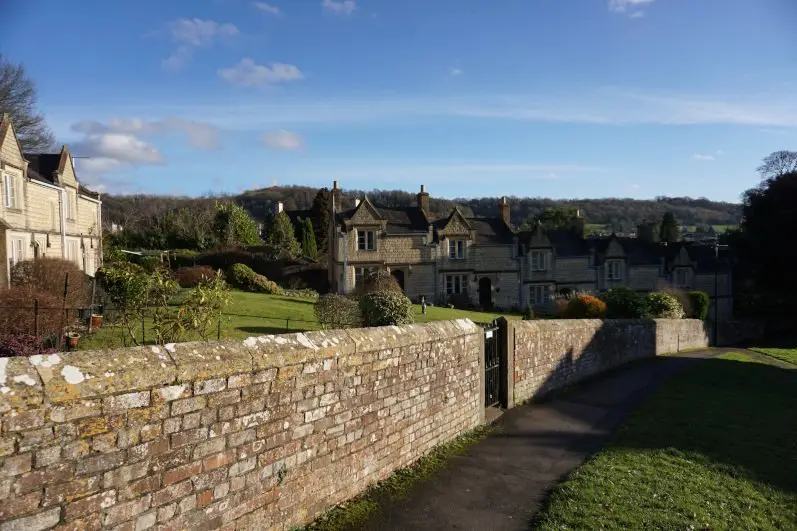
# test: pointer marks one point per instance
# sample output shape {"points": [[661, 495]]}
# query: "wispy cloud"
{"points": [[247, 73], [190, 34], [702, 157], [632, 8], [282, 140], [267, 8], [340, 7], [455, 72]]}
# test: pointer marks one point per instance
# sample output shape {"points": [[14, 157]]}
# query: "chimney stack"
{"points": [[577, 224], [336, 206], [423, 200], [279, 207], [504, 208]]}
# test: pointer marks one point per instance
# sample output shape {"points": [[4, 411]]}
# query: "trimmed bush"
{"points": [[700, 304], [261, 284], [664, 306], [188, 277], [528, 314], [241, 276], [585, 307], [337, 311], [48, 275], [625, 303], [379, 281], [18, 308], [383, 309]]}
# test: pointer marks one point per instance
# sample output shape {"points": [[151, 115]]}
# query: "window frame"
{"points": [[10, 192], [70, 210], [456, 284], [456, 249], [363, 240], [539, 260], [544, 297], [614, 270]]}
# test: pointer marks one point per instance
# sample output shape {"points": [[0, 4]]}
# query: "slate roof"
{"points": [[42, 165], [491, 231], [403, 219]]}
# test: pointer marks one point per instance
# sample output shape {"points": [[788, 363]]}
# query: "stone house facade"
{"points": [[44, 210], [486, 262]]}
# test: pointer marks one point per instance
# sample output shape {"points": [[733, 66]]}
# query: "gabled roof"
{"points": [[491, 231], [5, 124], [41, 166], [398, 219]]}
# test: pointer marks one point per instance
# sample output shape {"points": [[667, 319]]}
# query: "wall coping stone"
{"points": [[67, 376]]}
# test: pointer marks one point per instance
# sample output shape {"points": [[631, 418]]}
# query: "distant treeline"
{"points": [[619, 214]]}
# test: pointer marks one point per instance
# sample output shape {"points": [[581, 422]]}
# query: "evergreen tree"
{"points": [[670, 231], [309, 247], [321, 207], [234, 226], [281, 239]]}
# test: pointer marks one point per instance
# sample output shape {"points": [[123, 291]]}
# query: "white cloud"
{"points": [[200, 135], [455, 72], [190, 34], [340, 7], [701, 157], [267, 8], [248, 73], [282, 140], [632, 7]]}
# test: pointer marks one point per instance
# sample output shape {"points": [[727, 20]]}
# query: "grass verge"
{"points": [[789, 355], [357, 511], [713, 448]]}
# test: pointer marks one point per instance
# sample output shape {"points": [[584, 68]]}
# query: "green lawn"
{"points": [[714, 448], [788, 355], [258, 314]]}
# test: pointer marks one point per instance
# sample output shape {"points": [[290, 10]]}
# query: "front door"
{"points": [[485, 293], [398, 274]]}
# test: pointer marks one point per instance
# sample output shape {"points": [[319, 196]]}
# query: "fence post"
{"points": [[143, 339], [218, 330], [287, 325], [36, 317]]}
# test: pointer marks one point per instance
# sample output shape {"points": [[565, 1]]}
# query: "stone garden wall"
{"points": [[549, 354], [264, 433]]}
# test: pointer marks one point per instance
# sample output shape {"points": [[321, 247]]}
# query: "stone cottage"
{"points": [[486, 262]]}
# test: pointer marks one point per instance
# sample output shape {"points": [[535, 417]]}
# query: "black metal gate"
{"points": [[492, 367]]}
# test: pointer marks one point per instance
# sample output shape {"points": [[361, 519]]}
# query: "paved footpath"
{"points": [[502, 481]]}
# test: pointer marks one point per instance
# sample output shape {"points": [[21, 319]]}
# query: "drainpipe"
{"points": [[437, 299], [61, 196], [99, 228], [345, 263]]}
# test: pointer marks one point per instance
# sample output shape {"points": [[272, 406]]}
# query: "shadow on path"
{"points": [[503, 481]]}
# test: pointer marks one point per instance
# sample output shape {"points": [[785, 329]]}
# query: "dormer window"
{"points": [[366, 240], [614, 270], [456, 249], [539, 261]]}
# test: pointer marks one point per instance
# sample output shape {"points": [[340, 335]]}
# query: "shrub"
{"points": [[683, 299], [338, 311], [205, 303], [700, 303], [129, 288], [150, 263], [664, 306], [241, 276], [18, 308], [383, 309], [560, 307], [379, 281], [261, 284], [625, 303], [188, 277], [24, 345], [585, 307], [48, 275], [528, 314]]}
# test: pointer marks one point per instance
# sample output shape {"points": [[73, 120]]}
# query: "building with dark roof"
{"points": [[44, 209], [487, 263]]}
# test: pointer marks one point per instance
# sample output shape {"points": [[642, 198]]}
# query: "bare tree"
{"points": [[778, 163], [18, 99]]}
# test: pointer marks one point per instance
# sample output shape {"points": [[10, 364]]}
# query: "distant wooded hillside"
{"points": [[614, 213]]}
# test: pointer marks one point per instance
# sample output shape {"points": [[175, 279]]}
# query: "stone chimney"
{"points": [[279, 207], [503, 207], [336, 197], [423, 200]]}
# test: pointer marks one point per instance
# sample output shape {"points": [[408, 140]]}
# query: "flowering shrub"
{"points": [[585, 307], [24, 345], [665, 306]]}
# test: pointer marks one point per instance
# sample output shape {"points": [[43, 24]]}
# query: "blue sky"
{"points": [[553, 98]]}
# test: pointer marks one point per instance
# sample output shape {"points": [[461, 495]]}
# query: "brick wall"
{"points": [[550, 354], [264, 433]]}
